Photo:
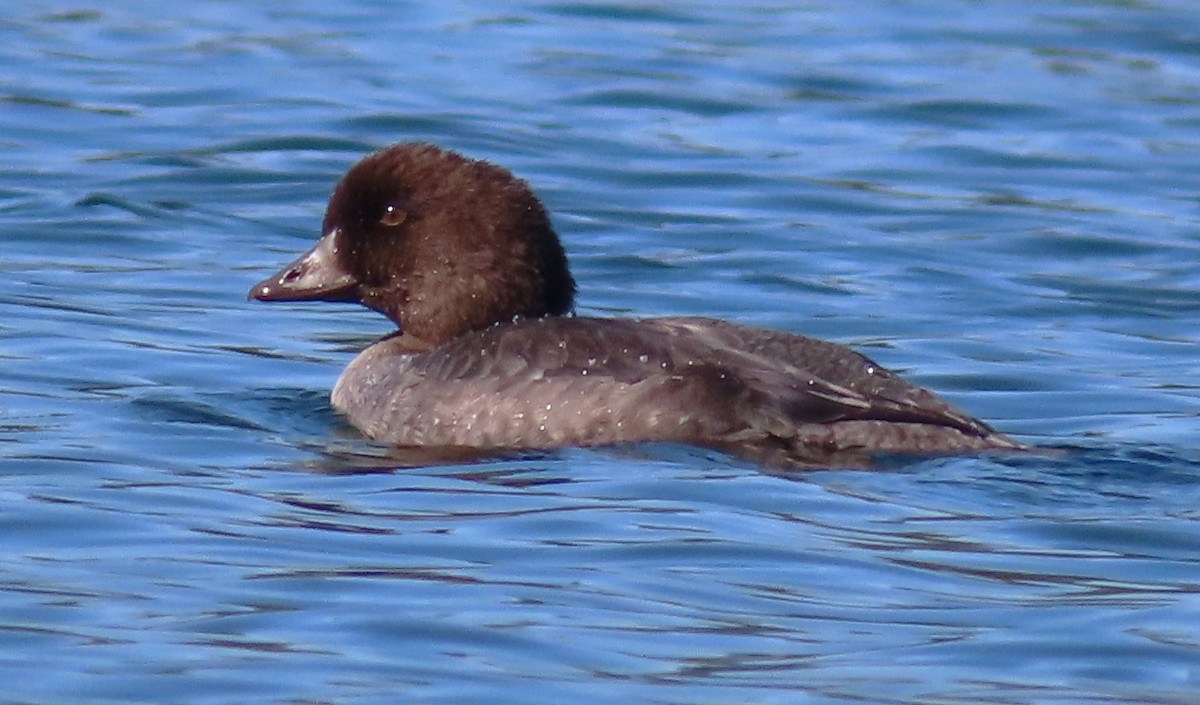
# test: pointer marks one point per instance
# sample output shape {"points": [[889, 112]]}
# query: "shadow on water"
{"points": [[1047, 465]]}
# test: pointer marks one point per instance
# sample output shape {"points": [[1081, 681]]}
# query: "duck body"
{"points": [[459, 253], [563, 381]]}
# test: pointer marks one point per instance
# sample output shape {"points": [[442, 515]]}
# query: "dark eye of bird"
{"points": [[392, 216]]}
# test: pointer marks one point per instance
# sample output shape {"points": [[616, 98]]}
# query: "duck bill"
{"points": [[315, 275]]}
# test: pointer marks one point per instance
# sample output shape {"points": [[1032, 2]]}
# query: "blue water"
{"points": [[1001, 199]]}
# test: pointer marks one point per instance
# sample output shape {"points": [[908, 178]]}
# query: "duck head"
{"points": [[438, 243]]}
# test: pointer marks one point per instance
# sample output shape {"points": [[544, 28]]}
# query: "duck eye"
{"points": [[392, 216]]}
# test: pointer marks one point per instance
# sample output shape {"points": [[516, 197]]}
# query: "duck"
{"points": [[489, 355]]}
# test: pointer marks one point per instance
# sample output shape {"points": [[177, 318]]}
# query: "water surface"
{"points": [[998, 199]]}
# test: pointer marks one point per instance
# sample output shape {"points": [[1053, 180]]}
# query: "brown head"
{"points": [[438, 243]]}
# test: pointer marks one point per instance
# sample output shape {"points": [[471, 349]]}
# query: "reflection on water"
{"points": [[997, 203]]}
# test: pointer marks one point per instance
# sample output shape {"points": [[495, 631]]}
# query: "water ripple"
{"points": [[997, 200]]}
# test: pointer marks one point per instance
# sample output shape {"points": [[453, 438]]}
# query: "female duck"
{"points": [[460, 255]]}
